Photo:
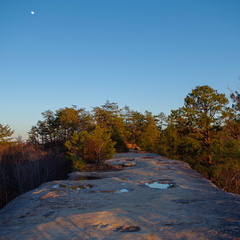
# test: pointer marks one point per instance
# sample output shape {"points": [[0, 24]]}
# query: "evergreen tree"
{"points": [[5, 134], [93, 147], [149, 138], [109, 117], [203, 112]]}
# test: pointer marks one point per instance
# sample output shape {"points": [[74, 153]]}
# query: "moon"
{"points": [[32, 12]]}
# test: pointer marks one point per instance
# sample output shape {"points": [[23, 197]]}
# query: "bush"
{"points": [[78, 164], [93, 147]]}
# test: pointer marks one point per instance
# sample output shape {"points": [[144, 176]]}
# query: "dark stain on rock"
{"points": [[128, 229], [127, 164], [185, 201], [165, 162], [48, 214]]}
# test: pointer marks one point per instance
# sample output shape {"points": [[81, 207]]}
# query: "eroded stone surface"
{"points": [[193, 209], [127, 164]]}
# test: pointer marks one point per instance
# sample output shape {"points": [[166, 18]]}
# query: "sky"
{"points": [[146, 54]]}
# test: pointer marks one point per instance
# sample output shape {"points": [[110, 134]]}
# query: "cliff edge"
{"points": [[151, 198]]}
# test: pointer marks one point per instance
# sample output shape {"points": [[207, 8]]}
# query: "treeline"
{"points": [[68, 139], [73, 126], [205, 132], [93, 136]]}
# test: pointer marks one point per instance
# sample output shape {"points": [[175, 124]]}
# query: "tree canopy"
{"points": [[5, 134], [205, 132], [204, 110]]}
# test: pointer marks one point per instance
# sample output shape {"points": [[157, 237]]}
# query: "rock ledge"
{"points": [[135, 203]]}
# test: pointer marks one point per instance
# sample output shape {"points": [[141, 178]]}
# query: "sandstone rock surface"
{"points": [[156, 199]]}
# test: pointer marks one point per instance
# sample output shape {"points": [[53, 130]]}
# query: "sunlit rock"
{"points": [[157, 198]]}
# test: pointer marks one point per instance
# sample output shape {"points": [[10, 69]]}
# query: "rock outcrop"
{"points": [[155, 198]]}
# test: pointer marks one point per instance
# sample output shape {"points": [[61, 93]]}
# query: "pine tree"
{"points": [[5, 134]]}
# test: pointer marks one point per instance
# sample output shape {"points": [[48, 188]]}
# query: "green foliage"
{"points": [[205, 132], [99, 146], [203, 112], [75, 147], [77, 162], [93, 147], [76, 144], [150, 136], [5, 134], [135, 122], [109, 117], [58, 127]]}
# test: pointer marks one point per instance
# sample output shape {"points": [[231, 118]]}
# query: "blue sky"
{"points": [[145, 54]]}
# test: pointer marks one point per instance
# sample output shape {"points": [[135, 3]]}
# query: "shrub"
{"points": [[93, 147]]}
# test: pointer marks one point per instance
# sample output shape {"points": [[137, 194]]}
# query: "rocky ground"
{"points": [[151, 198]]}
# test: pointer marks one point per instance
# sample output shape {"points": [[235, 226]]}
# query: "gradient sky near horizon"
{"points": [[147, 54]]}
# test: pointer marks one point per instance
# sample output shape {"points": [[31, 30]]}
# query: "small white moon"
{"points": [[32, 12]]}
